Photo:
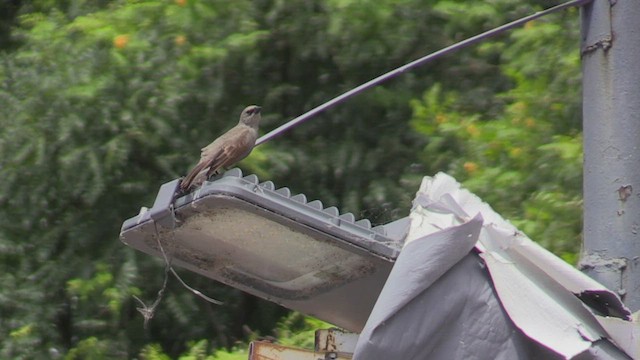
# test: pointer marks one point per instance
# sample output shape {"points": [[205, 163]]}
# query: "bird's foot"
{"points": [[213, 175]]}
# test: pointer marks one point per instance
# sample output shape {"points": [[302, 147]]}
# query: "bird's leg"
{"points": [[211, 174]]}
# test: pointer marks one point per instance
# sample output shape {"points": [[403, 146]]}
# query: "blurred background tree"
{"points": [[104, 101]]}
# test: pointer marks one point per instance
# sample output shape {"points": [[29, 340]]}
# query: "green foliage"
{"points": [[97, 112], [90, 348], [233, 355], [197, 350], [526, 161], [294, 330], [297, 330], [153, 352]]}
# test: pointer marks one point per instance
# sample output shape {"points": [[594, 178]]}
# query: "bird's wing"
{"points": [[207, 154], [226, 150], [230, 152]]}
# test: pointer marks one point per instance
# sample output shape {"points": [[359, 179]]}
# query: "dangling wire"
{"points": [[423, 60], [149, 311]]}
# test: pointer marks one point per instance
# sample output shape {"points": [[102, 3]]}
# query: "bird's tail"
{"points": [[186, 183]]}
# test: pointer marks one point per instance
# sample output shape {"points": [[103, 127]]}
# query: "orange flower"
{"points": [[530, 122], [181, 2], [121, 41], [470, 167], [180, 40]]}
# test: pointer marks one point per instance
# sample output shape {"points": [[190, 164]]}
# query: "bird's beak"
{"points": [[258, 109]]}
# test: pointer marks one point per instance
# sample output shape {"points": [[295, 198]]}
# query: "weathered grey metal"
{"points": [[475, 287], [611, 117], [271, 244], [336, 341]]}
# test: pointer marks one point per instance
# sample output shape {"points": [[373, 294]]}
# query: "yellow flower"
{"points": [[473, 130], [180, 40], [519, 107], [530, 25], [515, 152], [440, 118], [121, 41], [470, 167]]}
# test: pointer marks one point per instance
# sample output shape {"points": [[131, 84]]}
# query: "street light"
{"points": [[271, 244]]}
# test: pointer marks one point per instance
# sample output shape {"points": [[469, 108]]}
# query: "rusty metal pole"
{"points": [[611, 120]]}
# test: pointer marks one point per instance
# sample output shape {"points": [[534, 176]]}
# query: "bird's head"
{"points": [[251, 116]]}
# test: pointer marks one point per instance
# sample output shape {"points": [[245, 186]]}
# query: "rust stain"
{"points": [[624, 192]]}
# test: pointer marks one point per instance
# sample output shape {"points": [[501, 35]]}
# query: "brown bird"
{"points": [[229, 148]]}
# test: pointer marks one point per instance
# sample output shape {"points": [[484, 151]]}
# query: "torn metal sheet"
{"points": [[438, 303], [541, 293], [423, 268], [544, 313], [626, 334]]}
